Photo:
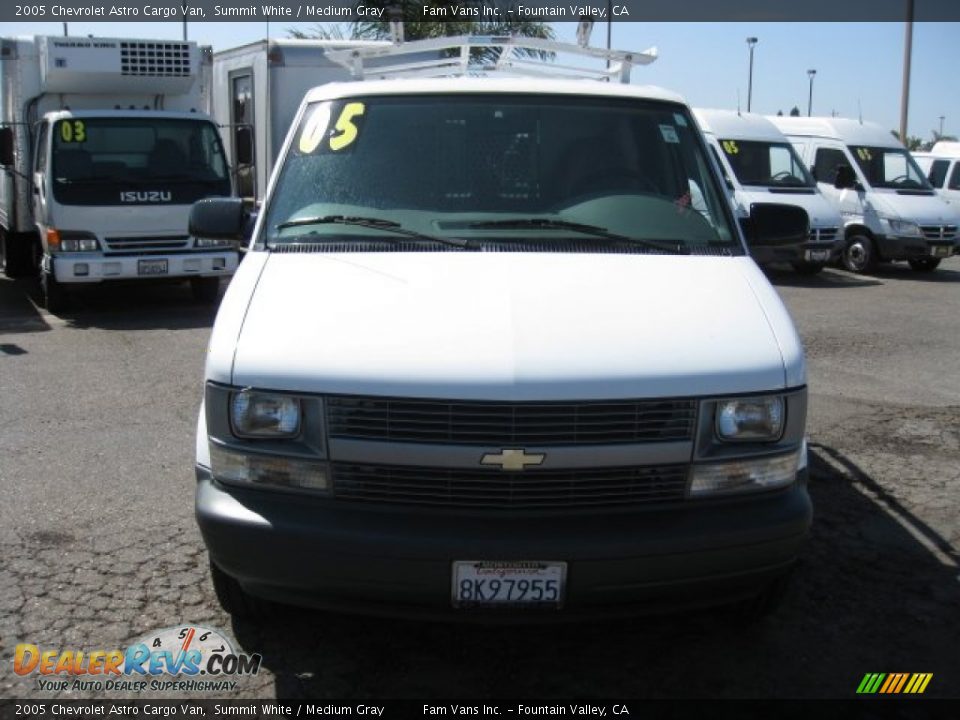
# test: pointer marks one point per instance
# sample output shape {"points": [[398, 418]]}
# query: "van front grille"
{"points": [[499, 423], [939, 232]]}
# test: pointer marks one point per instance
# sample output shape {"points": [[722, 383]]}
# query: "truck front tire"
{"points": [[18, 256], [54, 296], [205, 290]]}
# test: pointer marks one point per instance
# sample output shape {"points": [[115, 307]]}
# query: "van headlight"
{"points": [[264, 415], [750, 475], [750, 419], [904, 228]]}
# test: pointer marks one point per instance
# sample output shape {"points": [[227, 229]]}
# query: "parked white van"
{"points": [[942, 166], [890, 210], [759, 166], [488, 355]]}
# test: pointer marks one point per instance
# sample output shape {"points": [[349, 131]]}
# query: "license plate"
{"points": [[478, 583], [941, 251], [152, 267], [817, 255]]}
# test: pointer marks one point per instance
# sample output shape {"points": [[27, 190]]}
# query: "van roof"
{"points": [[459, 85], [946, 148], [736, 125], [847, 130]]}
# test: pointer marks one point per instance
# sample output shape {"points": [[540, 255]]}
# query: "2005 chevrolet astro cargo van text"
{"points": [[497, 349]]}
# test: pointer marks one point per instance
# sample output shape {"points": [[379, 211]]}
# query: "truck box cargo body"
{"points": [[107, 144], [889, 209], [257, 89]]}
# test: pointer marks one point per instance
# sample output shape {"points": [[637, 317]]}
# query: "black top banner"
{"points": [[479, 10]]}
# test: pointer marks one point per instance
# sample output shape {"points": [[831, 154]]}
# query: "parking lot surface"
{"points": [[100, 547]]}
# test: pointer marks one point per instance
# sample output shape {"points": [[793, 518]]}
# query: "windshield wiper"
{"points": [[376, 224], [594, 230]]}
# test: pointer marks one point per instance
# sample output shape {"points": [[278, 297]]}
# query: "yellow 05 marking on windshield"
{"points": [[315, 130], [864, 154], [730, 147], [346, 127], [72, 131]]}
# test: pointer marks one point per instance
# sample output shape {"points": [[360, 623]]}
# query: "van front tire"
{"points": [[234, 600], [859, 255]]}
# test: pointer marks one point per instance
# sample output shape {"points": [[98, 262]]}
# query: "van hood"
{"points": [[504, 326], [921, 209]]}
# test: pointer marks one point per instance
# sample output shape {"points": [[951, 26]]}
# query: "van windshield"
{"points": [[499, 166], [893, 168], [767, 164], [136, 160]]}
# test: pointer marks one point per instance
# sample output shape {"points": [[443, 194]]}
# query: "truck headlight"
{"points": [[240, 468], [750, 419], [264, 415], [71, 241], [737, 476], [905, 228]]}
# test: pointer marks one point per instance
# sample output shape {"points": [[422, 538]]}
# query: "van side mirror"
{"points": [[6, 146], [244, 145], [217, 218], [846, 178], [773, 224]]}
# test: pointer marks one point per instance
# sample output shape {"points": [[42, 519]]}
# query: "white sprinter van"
{"points": [[759, 166], [890, 211], [942, 166]]}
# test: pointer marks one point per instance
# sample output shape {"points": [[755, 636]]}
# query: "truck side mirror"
{"points": [[217, 218], [773, 224], [6, 146], [244, 145], [846, 178]]}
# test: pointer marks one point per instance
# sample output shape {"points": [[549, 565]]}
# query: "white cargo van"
{"points": [[488, 355], [759, 166], [942, 166], [890, 211]]}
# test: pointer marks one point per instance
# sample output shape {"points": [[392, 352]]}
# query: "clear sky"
{"points": [[859, 65]]}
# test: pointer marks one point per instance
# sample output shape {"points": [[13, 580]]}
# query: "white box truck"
{"points": [[257, 89], [105, 144], [890, 211], [759, 165]]}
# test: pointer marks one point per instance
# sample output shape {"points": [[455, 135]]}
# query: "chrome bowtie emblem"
{"points": [[513, 459]]}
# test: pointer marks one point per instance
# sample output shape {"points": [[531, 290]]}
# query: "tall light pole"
{"points": [[907, 52], [811, 72], [751, 41]]}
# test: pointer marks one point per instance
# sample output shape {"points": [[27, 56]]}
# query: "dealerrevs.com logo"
{"points": [[199, 658]]}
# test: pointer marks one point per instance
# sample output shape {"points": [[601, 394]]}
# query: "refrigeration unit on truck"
{"points": [[105, 144]]}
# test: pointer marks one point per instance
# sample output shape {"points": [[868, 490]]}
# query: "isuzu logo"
{"points": [[513, 459], [146, 196]]}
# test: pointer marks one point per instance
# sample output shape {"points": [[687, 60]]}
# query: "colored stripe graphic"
{"points": [[894, 683]]}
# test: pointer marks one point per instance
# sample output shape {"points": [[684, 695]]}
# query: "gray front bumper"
{"points": [[398, 561]]}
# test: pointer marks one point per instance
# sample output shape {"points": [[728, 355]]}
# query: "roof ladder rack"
{"points": [[453, 57]]}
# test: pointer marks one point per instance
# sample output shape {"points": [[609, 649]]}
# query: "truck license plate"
{"points": [[479, 583], [941, 251], [152, 267]]}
